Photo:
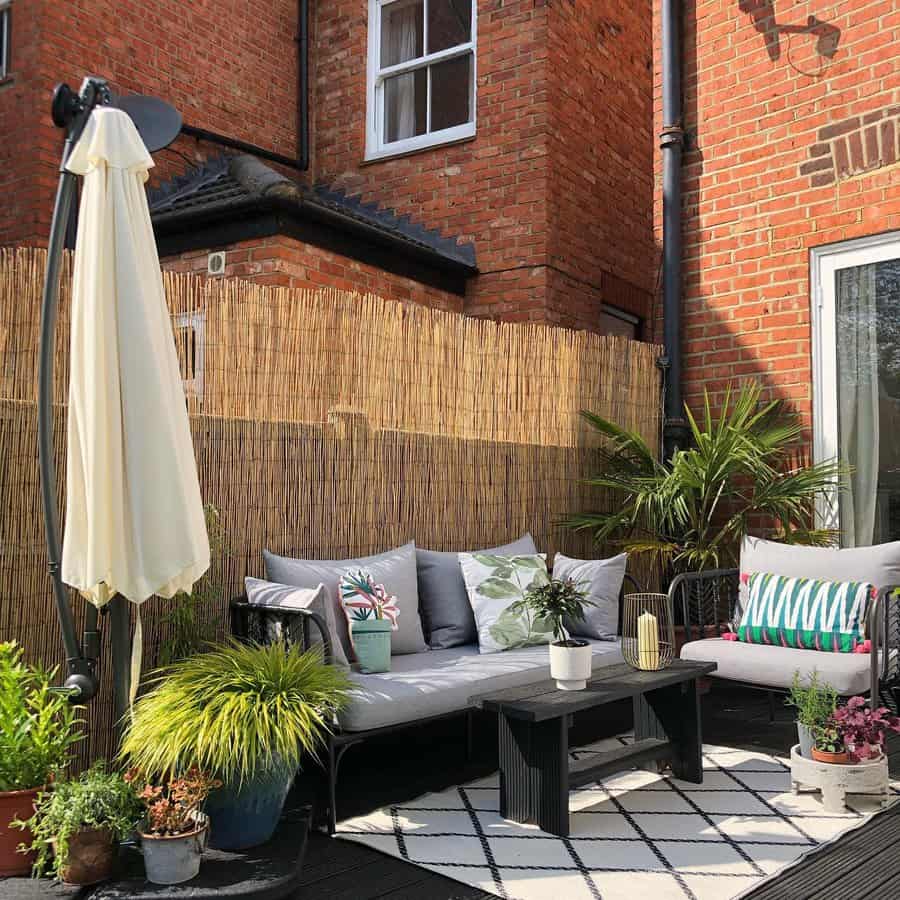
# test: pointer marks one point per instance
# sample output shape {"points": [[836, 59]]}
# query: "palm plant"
{"points": [[236, 711], [690, 512]]}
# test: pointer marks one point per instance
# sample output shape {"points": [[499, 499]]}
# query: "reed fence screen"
{"points": [[328, 425]]}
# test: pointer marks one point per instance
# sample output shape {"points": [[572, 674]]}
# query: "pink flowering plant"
{"points": [[863, 729], [363, 599]]}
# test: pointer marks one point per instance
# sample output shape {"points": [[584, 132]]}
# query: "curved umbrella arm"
{"points": [[70, 111]]}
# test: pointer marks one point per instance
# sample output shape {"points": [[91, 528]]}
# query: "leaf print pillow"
{"points": [[496, 586]]}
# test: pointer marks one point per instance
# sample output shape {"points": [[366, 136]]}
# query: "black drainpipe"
{"points": [[301, 163], [672, 142]]}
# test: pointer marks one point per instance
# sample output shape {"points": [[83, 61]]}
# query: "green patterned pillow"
{"points": [[807, 613], [496, 586]]}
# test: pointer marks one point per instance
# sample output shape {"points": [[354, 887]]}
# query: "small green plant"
{"points": [[38, 725], [97, 799], [172, 808], [556, 601], [815, 701], [828, 738], [188, 622], [236, 711]]}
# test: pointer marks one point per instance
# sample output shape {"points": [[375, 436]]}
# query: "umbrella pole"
{"points": [[70, 111]]}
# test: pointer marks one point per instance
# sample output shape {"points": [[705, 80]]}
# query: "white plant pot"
{"points": [[571, 666]]}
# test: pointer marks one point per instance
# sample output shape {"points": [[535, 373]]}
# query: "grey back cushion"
{"points": [[878, 565], [395, 569], [602, 580], [446, 613], [276, 597]]}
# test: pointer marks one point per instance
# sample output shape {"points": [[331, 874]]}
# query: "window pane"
{"points": [[610, 323], [405, 105], [868, 372], [401, 32], [449, 23], [451, 92]]}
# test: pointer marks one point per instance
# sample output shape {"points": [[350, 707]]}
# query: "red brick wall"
{"points": [[227, 67], [601, 157], [554, 189], [287, 262], [794, 150]]}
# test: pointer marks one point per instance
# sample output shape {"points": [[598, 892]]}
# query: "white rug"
{"points": [[634, 835]]}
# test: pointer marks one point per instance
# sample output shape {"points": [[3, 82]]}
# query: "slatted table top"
{"points": [[542, 700]]}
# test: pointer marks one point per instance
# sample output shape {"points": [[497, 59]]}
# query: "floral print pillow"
{"points": [[496, 586]]}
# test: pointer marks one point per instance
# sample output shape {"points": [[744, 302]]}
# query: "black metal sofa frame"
{"points": [[708, 599], [249, 624]]}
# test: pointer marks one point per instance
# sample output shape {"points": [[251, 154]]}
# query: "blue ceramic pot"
{"points": [[372, 644], [247, 816]]}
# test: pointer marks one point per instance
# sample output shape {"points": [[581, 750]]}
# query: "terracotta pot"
{"points": [[15, 805], [823, 756], [91, 857]]}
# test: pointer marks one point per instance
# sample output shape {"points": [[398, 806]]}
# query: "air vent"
{"points": [[215, 263]]}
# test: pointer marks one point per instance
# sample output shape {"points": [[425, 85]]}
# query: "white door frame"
{"points": [[824, 263]]}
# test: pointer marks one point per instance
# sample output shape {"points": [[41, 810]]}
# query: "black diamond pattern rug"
{"points": [[634, 834]]}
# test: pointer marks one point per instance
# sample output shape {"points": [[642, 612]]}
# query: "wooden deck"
{"points": [[403, 766]]}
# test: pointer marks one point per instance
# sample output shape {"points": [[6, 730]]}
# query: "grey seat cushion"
{"points": [[395, 569], [442, 681], [446, 613], [766, 665]]}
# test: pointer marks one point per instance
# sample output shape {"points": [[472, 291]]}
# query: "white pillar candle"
{"points": [[648, 642]]}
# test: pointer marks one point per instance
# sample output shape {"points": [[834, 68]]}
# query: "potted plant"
{"points": [[245, 713], [77, 826], [372, 615], [863, 729], [815, 702], [175, 830], [829, 745], [38, 727], [570, 658]]}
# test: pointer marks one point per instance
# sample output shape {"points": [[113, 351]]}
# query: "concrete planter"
{"points": [[570, 664], [174, 859]]}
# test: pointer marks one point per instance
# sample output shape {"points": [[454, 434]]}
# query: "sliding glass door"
{"points": [[856, 382]]}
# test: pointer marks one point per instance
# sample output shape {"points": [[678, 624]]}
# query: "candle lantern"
{"points": [[648, 631]]}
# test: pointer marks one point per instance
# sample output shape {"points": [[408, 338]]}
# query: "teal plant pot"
{"points": [[372, 644], [246, 816]]}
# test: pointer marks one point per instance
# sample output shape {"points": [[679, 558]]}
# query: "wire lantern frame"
{"points": [[648, 631]]}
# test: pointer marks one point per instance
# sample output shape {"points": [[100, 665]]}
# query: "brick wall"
{"points": [[287, 262], [795, 148], [228, 67], [554, 189]]}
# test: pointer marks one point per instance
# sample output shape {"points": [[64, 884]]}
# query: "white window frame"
{"points": [[825, 262], [376, 148], [193, 387], [5, 17]]}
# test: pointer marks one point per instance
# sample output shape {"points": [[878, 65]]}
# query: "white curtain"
{"points": [[400, 91], [857, 357]]}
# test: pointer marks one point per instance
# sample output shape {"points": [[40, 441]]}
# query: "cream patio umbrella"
{"points": [[134, 516]]}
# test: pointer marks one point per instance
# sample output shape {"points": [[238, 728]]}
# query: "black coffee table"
{"points": [[536, 771]]}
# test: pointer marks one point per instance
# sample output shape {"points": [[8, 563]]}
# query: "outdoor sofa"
{"points": [[421, 687], [713, 600]]}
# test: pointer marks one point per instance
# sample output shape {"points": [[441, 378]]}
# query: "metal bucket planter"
{"points": [[807, 740], [16, 805], [174, 859], [247, 816], [372, 644]]}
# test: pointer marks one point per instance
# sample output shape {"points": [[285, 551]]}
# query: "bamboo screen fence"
{"points": [[329, 425]]}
